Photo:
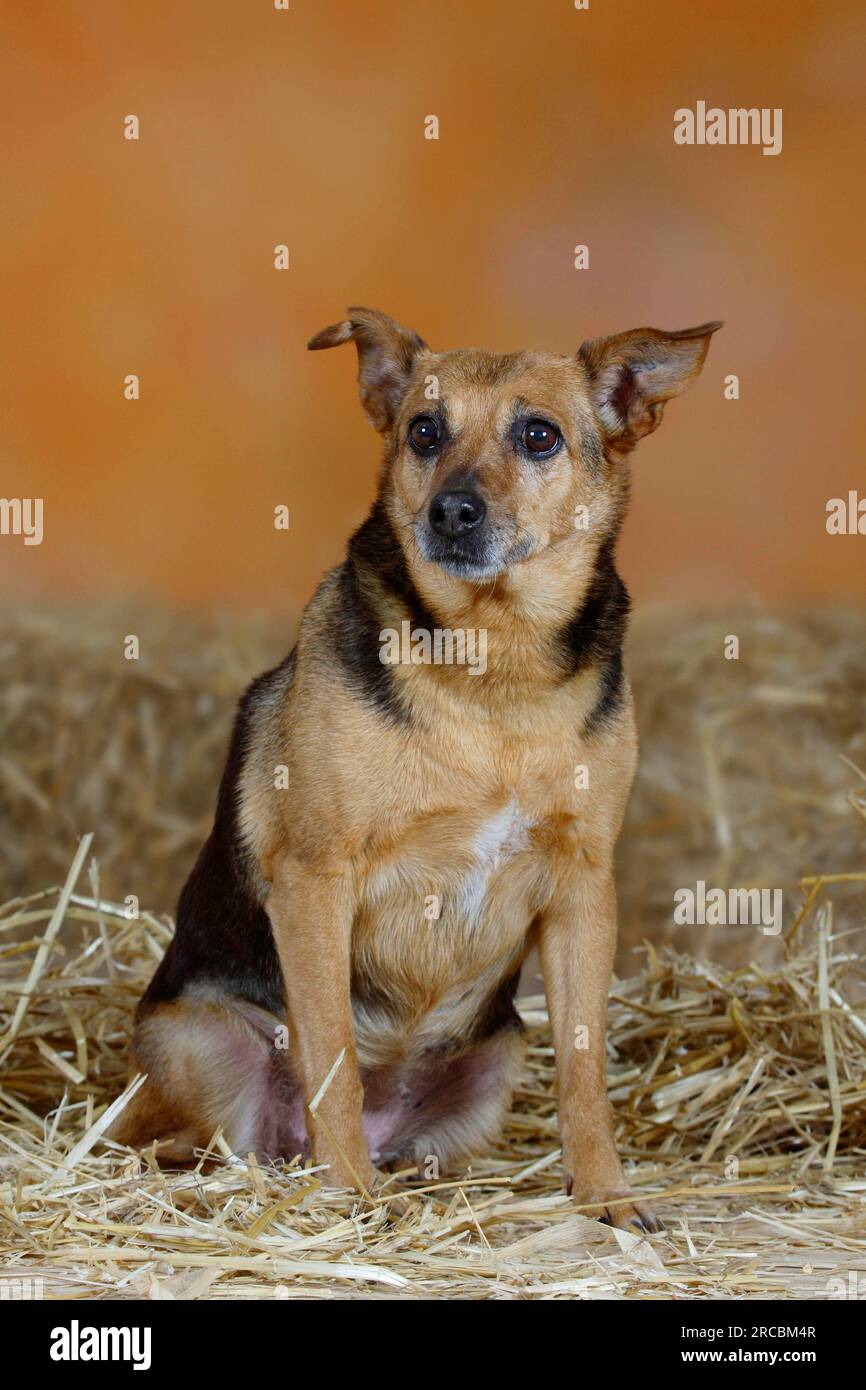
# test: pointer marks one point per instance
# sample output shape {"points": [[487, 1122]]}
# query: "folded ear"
{"points": [[386, 354], [631, 375]]}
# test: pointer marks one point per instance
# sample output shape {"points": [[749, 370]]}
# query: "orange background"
{"points": [[306, 127]]}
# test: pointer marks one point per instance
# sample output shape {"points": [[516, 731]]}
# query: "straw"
{"points": [[740, 1098]]}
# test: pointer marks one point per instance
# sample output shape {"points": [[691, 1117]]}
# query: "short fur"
{"points": [[413, 787]]}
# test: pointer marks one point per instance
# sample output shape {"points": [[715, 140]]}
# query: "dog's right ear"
{"points": [[386, 355]]}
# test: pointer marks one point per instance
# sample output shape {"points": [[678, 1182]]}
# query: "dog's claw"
{"points": [[627, 1216], [646, 1222]]}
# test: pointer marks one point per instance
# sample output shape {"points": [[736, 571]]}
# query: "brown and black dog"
{"points": [[392, 836]]}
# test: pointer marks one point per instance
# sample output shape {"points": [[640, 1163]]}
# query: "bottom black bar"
{"points": [[66, 1338]]}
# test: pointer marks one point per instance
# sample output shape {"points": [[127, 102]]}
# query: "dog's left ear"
{"points": [[632, 375], [386, 355]]}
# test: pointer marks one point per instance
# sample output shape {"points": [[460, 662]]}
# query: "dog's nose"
{"points": [[454, 513]]}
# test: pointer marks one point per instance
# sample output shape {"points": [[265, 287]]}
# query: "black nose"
{"points": [[454, 513]]}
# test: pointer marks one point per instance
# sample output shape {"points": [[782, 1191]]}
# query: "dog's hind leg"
{"points": [[444, 1109], [211, 1063]]}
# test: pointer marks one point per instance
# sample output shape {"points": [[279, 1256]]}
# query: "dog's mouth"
{"points": [[475, 556]]}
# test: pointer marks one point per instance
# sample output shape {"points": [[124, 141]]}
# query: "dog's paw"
{"points": [[394, 1203], [397, 1206], [358, 1175], [618, 1208], [633, 1216]]}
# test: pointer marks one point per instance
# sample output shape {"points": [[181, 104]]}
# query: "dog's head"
{"points": [[492, 459]]}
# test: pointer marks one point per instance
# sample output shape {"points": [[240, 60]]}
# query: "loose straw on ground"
{"points": [[740, 1098]]}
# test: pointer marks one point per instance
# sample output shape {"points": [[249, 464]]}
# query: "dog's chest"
{"points": [[496, 842], [452, 900], [449, 863], [462, 860], [443, 922]]}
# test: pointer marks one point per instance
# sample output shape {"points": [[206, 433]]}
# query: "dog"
{"points": [[393, 836]]}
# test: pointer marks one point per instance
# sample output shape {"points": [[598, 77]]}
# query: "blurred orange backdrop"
{"points": [[306, 127]]}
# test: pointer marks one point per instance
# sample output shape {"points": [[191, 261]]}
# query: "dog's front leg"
{"points": [[577, 940], [311, 916]]}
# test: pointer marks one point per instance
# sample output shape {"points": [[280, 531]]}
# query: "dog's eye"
{"points": [[424, 434], [539, 437]]}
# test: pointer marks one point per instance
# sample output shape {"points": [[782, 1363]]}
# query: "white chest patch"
{"points": [[497, 841]]}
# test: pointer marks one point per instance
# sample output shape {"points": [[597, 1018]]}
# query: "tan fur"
{"points": [[473, 801]]}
